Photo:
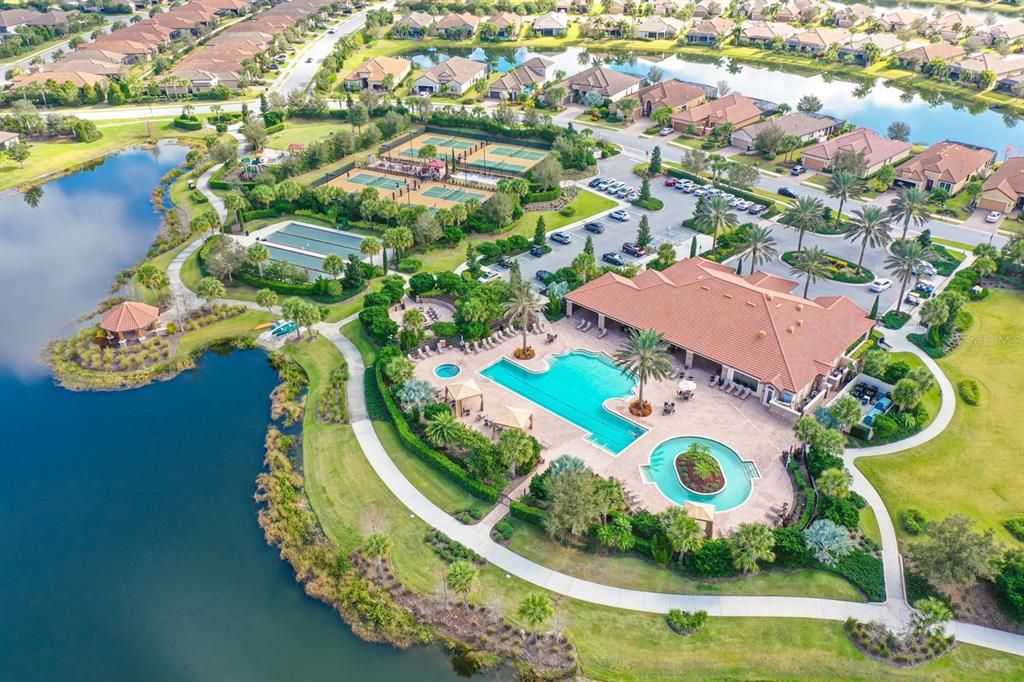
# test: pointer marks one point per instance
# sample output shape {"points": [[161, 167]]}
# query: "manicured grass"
{"points": [[354, 331], [635, 572], [869, 524], [240, 325], [956, 245], [969, 468], [182, 197], [304, 132]]}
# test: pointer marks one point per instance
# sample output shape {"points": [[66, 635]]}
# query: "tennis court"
{"points": [[360, 179], [518, 153], [377, 181], [444, 145], [491, 164], [452, 194], [504, 158]]}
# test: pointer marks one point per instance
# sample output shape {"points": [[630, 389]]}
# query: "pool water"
{"points": [[880, 407], [447, 370], [575, 387], [661, 471]]}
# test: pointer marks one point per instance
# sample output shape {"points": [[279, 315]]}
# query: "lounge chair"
{"points": [[602, 332], [586, 326], [724, 386], [580, 324], [746, 394]]}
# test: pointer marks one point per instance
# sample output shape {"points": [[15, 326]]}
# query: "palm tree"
{"points": [[907, 256], [334, 265], [844, 186], [806, 214], [535, 609], [461, 576], [759, 242], [258, 254], [522, 305], [682, 530], [812, 264], [714, 216], [911, 205], [644, 356], [752, 542], [835, 482], [378, 546], [871, 225], [443, 429], [370, 247]]}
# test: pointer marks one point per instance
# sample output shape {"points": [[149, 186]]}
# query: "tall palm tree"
{"points": [[871, 225], [806, 214], [522, 305], [644, 356], [715, 216], [910, 205], [812, 264], [759, 242], [906, 257], [443, 429], [750, 543], [845, 186], [370, 247]]}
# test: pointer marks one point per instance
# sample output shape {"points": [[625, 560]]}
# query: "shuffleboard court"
{"points": [[518, 153], [376, 181], [449, 194], [302, 260], [323, 234]]}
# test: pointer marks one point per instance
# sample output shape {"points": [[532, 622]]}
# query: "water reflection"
{"points": [[62, 245]]}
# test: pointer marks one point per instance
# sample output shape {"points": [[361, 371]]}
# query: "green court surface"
{"points": [[498, 165], [447, 142], [375, 181], [518, 153], [457, 195]]}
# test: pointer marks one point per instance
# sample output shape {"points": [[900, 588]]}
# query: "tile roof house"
{"points": [[657, 28], [77, 78], [523, 79], [817, 39], [736, 109], [413, 25], [808, 127], [969, 68], [877, 150], [954, 26], [797, 10], [922, 55], [507, 23], [857, 47], [755, 10], [851, 15], [672, 93], [13, 19], [457, 26], [606, 25], [1003, 191], [666, 8], [901, 20], [761, 32], [710, 31], [749, 329], [550, 25], [456, 75], [1002, 34], [373, 73], [8, 139], [945, 165], [707, 8], [610, 84]]}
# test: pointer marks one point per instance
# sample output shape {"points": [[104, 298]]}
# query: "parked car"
{"points": [[798, 170], [787, 192], [595, 227], [912, 299], [993, 217], [620, 215], [488, 276], [595, 182], [757, 209], [670, 182], [309, 60], [614, 187], [603, 185], [613, 258], [537, 251], [505, 262], [925, 269], [542, 276], [633, 250], [700, 191], [743, 205], [665, 132], [561, 237], [688, 186], [926, 288], [632, 196], [623, 192], [880, 285]]}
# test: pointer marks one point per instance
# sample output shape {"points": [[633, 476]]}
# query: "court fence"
{"points": [[327, 177]]}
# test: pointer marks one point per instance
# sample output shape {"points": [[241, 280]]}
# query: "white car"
{"points": [[993, 217], [665, 132], [488, 276], [880, 285], [620, 215]]}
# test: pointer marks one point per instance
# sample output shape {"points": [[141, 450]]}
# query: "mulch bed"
{"points": [[689, 477]]}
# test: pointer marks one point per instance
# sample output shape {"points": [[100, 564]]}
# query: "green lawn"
{"points": [[304, 132], [970, 467], [240, 325], [869, 524]]}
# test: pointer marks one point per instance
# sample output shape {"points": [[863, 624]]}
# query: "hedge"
{"points": [[969, 391], [525, 512], [428, 454], [864, 571], [258, 213], [534, 197], [918, 587], [274, 128], [922, 342], [187, 124]]}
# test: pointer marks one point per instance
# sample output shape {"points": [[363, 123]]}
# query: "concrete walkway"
{"points": [[203, 185]]}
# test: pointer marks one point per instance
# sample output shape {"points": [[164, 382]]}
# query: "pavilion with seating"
{"points": [[130, 321]]}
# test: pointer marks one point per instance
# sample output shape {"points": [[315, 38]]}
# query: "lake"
{"points": [[871, 106], [130, 544]]}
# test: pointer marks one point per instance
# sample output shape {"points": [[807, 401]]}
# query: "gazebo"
{"points": [[704, 514], [130, 320], [463, 391], [512, 418]]}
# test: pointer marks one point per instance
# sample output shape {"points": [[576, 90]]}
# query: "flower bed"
{"points": [[640, 409], [875, 641], [706, 482], [837, 269], [527, 354]]}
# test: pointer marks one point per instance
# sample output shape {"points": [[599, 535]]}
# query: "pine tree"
{"points": [[588, 246], [645, 190], [540, 232], [643, 235], [693, 247], [655, 166], [874, 309]]}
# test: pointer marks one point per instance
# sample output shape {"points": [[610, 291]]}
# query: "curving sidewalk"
{"points": [[477, 537]]}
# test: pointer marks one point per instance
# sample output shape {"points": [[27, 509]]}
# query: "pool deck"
{"points": [[743, 425]]}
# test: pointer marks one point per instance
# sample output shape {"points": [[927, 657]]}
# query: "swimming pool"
{"points": [[575, 387], [739, 473], [881, 406], [447, 370]]}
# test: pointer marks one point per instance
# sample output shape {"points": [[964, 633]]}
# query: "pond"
{"points": [[131, 549], [874, 106]]}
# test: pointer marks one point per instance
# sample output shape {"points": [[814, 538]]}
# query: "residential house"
{"points": [[378, 73], [710, 31], [550, 25], [808, 127], [918, 57], [767, 32], [77, 78], [614, 7], [1003, 191], [667, 8], [849, 16], [707, 8], [8, 139], [858, 48], [1002, 34], [969, 68], [735, 109], [563, 6], [580, 6], [817, 40], [607, 26], [454, 76], [610, 84], [756, 10], [945, 165], [750, 330], [901, 20], [522, 80], [457, 26], [876, 149], [672, 94], [13, 19], [953, 27], [657, 28], [508, 24], [798, 10], [413, 25], [1013, 85]]}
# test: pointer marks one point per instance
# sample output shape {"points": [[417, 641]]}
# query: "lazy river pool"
{"points": [[739, 473]]}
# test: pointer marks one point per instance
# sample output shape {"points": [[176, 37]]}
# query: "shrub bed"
{"points": [[895, 320], [970, 392], [864, 571], [837, 269], [652, 204]]}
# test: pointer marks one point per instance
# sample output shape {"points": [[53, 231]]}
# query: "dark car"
{"points": [[757, 209], [595, 227], [787, 192], [561, 237], [542, 276], [505, 262], [595, 182], [613, 258], [537, 251], [633, 250]]}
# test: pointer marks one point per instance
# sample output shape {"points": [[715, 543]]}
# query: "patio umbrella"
{"points": [[687, 385]]}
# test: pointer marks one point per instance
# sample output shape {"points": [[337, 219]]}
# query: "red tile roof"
{"points": [[129, 316]]}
